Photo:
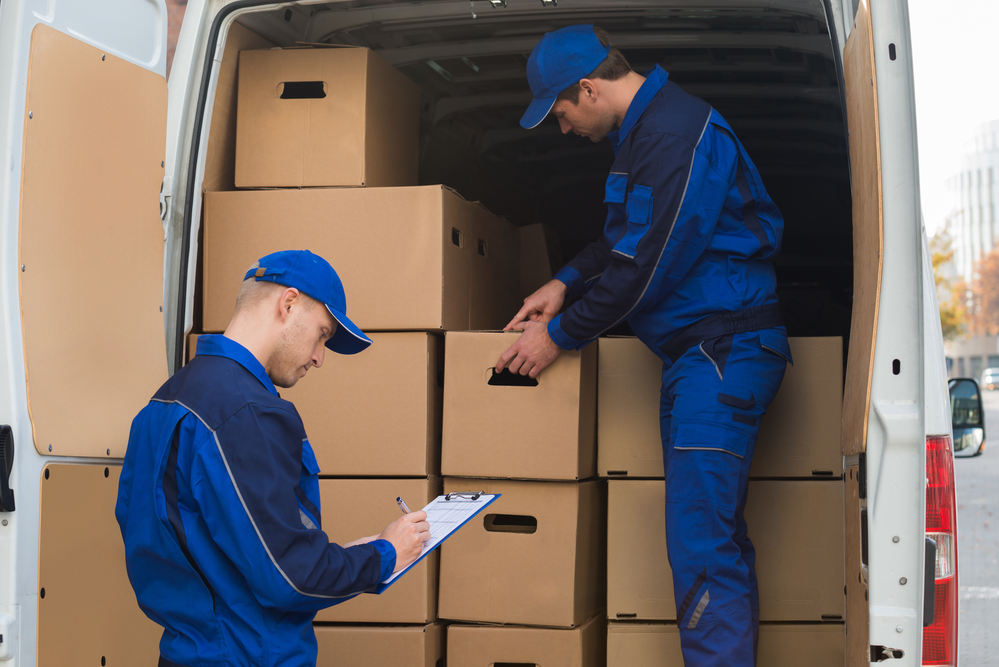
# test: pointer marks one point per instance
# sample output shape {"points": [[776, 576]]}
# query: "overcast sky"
{"points": [[956, 70]]}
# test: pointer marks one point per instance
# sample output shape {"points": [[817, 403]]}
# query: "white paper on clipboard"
{"points": [[445, 514]]}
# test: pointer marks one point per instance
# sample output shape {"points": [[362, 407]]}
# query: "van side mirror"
{"points": [[967, 416]]}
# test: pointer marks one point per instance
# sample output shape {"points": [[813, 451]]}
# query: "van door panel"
{"points": [[868, 234], [87, 614], [91, 244]]}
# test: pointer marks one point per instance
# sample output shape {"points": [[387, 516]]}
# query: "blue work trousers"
{"points": [[712, 400]]}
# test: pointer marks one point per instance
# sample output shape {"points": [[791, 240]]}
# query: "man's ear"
{"points": [[588, 90], [290, 297]]}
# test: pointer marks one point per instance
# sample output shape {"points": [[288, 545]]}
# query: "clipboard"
{"points": [[447, 514]]}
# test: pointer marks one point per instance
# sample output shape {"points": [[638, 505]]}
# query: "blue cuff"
{"points": [[573, 280], [560, 337], [387, 552]]}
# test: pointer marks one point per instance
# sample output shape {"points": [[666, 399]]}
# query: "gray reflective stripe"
{"points": [[698, 610], [306, 521], [624, 254], [247, 510], [701, 346], [709, 449]]}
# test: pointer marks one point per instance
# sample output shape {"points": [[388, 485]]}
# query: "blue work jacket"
{"points": [[219, 510], [690, 229]]}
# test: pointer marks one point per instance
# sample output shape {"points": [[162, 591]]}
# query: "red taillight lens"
{"points": [[940, 638]]}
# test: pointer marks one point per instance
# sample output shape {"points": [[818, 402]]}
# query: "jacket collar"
{"points": [[217, 345], [655, 79]]}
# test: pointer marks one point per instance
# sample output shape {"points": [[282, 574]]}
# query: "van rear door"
{"points": [[82, 344]]}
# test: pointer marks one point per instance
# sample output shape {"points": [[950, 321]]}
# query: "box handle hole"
{"points": [[302, 90], [482, 247], [456, 237], [507, 379], [510, 523]]}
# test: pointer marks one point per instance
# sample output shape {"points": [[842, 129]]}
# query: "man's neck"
{"points": [[622, 93]]}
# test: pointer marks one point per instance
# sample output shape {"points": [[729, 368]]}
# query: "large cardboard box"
{"points": [[796, 527], [799, 435], [321, 117], [489, 645], [419, 258], [536, 556], [354, 508], [540, 257], [377, 646], [519, 432], [781, 645], [377, 413]]}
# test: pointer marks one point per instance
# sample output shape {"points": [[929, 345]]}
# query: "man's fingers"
{"points": [[517, 362], [505, 358], [520, 316]]}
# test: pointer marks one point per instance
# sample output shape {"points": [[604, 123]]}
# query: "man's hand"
{"points": [[407, 534], [532, 352], [541, 306]]}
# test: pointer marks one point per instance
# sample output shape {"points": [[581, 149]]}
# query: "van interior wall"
{"points": [[768, 70]]}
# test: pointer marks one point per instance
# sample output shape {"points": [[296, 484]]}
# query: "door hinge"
{"points": [[882, 653], [166, 194]]}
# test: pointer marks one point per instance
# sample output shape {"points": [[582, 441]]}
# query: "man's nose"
{"points": [[564, 125], [319, 355]]}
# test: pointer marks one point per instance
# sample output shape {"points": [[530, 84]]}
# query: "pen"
{"points": [[402, 505]]}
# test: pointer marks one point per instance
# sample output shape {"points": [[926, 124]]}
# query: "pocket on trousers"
{"points": [[705, 463]]}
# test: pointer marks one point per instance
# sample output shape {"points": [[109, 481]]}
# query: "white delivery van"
{"points": [[101, 207]]}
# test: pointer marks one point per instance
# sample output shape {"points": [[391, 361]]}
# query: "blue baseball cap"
{"points": [[559, 61], [313, 275]]}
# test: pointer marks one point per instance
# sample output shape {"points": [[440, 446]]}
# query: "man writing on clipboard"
{"points": [[685, 260], [218, 501]]}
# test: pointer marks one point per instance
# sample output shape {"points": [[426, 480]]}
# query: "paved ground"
{"points": [[978, 546]]}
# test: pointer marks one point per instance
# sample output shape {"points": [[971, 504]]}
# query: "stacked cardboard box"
{"points": [[794, 511], [325, 158], [536, 557]]}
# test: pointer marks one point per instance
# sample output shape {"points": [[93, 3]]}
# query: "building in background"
{"points": [[973, 227], [973, 220]]}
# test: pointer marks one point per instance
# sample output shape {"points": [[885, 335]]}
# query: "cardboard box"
{"points": [[518, 432], [533, 557], [799, 435], [489, 645], [796, 527], [645, 645], [322, 117], [354, 508], [377, 413], [540, 257], [419, 258], [374, 646]]}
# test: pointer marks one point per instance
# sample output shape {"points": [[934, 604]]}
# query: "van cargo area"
{"points": [[772, 73], [775, 75]]}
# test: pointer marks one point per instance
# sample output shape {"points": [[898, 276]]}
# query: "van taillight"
{"points": [[940, 637]]}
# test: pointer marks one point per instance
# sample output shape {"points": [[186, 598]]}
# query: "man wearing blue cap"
{"points": [[218, 501], [685, 259]]}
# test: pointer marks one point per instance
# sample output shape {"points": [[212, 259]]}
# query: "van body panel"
{"points": [[142, 45], [896, 436]]}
